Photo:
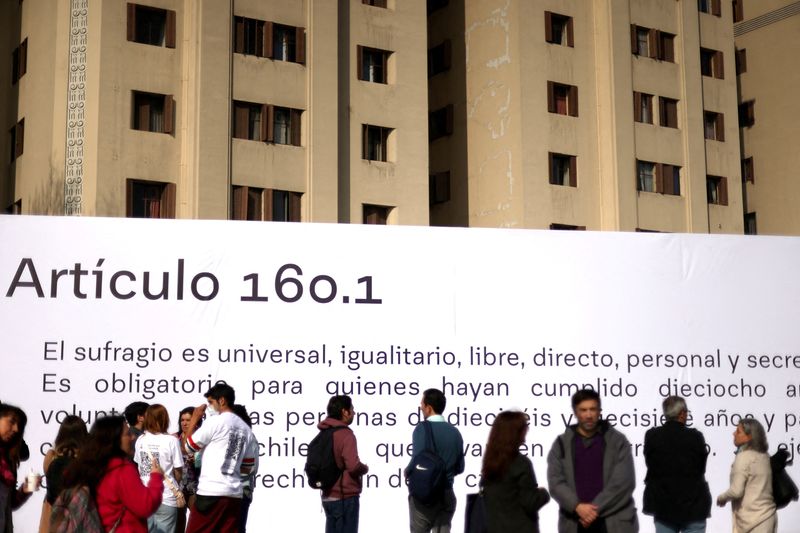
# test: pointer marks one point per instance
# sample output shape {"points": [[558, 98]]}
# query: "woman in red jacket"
{"points": [[103, 465]]}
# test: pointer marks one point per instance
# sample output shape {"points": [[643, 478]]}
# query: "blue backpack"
{"points": [[427, 473]]}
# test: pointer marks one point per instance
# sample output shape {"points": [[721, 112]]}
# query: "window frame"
{"points": [[138, 107], [364, 73], [167, 197], [666, 178], [668, 112], [568, 164], [660, 44], [712, 7], [566, 227], [717, 190], [374, 214], [712, 63], [439, 188], [17, 137], [266, 202], [567, 31], [748, 170], [570, 92], [747, 114], [740, 60], [370, 145], [19, 61], [440, 123], [169, 29], [643, 102], [241, 31], [440, 58], [718, 121]]}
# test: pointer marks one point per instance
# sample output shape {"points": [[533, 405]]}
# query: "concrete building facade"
{"points": [[563, 114], [767, 41]]}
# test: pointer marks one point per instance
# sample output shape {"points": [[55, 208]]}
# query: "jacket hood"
{"points": [[602, 427], [330, 423]]}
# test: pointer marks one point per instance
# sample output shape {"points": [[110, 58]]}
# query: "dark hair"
{"points": [[241, 411], [187, 411], [435, 398], [156, 419], [102, 445], [583, 395], [15, 445], [134, 411], [71, 436], [505, 437], [337, 403], [222, 390]]}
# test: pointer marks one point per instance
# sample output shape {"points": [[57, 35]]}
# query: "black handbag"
{"points": [[475, 519]]}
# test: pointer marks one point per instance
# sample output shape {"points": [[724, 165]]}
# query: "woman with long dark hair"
{"points": [[511, 493], [71, 434], [750, 492], [104, 466], [12, 429]]}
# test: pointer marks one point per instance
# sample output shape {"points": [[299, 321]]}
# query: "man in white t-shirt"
{"points": [[229, 451]]}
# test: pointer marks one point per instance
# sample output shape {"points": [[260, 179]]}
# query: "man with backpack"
{"points": [[336, 445], [437, 457]]}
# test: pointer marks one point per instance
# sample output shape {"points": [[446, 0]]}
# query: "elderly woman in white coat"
{"points": [[751, 482]]}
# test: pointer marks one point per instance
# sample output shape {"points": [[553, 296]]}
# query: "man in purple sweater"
{"points": [[341, 502], [590, 473]]}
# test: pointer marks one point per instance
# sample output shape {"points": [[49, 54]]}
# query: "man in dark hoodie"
{"points": [[590, 473], [341, 502]]}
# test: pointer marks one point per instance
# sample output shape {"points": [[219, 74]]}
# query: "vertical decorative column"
{"points": [[76, 106]]}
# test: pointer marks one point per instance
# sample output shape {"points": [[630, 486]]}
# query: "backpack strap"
{"points": [[430, 442]]}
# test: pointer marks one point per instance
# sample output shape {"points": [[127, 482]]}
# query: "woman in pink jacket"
{"points": [[104, 466]]}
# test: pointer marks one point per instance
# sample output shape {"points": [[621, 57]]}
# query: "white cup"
{"points": [[32, 481]]}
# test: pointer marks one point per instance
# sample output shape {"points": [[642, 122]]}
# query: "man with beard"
{"points": [[590, 473]]}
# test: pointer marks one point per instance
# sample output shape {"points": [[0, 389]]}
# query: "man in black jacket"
{"points": [[676, 493]]}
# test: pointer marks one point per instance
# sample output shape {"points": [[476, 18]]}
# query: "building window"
{"points": [[253, 203], [372, 64], [248, 36], [747, 114], [712, 7], [562, 99], [440, 122], [267, 123], [153, 112], [667, 112], [741, 61], [249, 121], [738, 16], [648, 42], [717, 190], [643, 107], [17, 134], [436, 5], [714, 126], [19, 61], [374, 3], [288, 43], [558, 29], [151, 25], [439, 58], [375, 142], [563, 170], [711, 63], [748, 173], [150, 199], [439, 188], [376, 214], [567, 227], [750, 224], [658, 177]]}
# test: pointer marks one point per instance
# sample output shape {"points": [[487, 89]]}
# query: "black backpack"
{"points": [[321, 468], [427, 473], [784, 491]]}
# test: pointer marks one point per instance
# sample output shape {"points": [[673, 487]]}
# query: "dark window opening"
{"points": [[376, 214], [563, 169], [439, 58], [373, 64], [558, 29], [668, 112], [562, 99], [440, 123], [376, 143], [151, 25], [439, 188], [150, 199], [717, 190], [747, 114], [153, 112]]}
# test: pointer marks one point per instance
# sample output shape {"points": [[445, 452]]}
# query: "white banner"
{"points": [[97, 313]]}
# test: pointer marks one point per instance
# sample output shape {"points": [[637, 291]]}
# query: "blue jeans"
{"points": [[691, 527], [341, 516], [163, 520]]}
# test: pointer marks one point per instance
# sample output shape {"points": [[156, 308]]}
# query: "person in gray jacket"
{"points": [[590, 473]]}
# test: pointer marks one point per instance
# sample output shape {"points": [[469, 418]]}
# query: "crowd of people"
{"points": [[142, 478]]}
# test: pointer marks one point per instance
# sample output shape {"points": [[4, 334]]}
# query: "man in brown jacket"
{"points": [[341, 502]]}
